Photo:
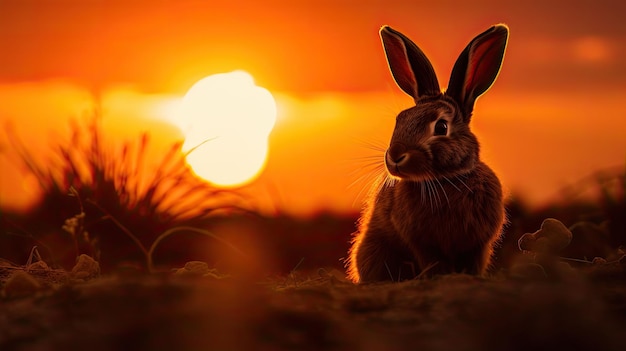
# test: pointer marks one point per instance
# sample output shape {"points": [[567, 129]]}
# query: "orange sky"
{"points": [[555, 114]]}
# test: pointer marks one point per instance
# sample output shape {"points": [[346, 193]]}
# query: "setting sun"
{"points": [[226, 120]]}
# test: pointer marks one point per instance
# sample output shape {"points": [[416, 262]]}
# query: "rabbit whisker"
{"points": [[390, 182], [382, 182], [430, 195], [372, 145], [366, 157], [371, 190], [451, 183], [433, 186], [435, 193], [436, 190], [444, 191], [389, 271], [367, 168], [360, 179], [462, 182]]}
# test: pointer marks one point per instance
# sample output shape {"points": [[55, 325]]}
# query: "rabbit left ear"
{"points": [[410, 68], [477, 67]]}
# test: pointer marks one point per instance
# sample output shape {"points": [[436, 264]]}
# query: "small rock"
{"points": [[194, 268], [198, 268], [551, 238], [85, 268], [21, 284]]}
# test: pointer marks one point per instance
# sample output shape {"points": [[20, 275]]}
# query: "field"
{"points": [[102, 263], [578, 311]]}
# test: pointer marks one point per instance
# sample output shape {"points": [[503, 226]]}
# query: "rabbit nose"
{"points": [[397, 155], [398, 160]]}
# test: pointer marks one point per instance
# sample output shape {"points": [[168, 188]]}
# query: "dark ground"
{"points": [[581, 309]]}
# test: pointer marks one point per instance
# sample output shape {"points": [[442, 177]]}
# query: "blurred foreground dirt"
{"points": [[583, 310]]}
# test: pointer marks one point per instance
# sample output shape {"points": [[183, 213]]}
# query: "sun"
{"points": [[226, 120]]}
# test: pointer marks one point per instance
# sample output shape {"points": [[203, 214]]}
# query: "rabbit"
{"points": [[439, 209]]}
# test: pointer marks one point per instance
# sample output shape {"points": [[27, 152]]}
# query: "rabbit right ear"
{"points": [[410, 68], [478, 66]]}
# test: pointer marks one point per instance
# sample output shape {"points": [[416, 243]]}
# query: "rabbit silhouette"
{"points": [[439, 209]]}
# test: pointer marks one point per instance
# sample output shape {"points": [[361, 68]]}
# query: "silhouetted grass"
{"points": [[104, 199]]}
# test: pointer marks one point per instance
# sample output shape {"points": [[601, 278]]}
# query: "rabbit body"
{"points": [[400, 233], [440, 208]]}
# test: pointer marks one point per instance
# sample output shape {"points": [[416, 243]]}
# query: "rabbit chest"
{"points": [[451, 215]]}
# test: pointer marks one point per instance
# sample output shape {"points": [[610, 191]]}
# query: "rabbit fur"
{"points": [[439, 208]]}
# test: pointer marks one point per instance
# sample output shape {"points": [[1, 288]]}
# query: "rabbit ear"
{"points": [[410, 68], [477, 67]]}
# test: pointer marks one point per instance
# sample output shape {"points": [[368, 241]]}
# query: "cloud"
{"points": [[592, 50], [588, 49]]}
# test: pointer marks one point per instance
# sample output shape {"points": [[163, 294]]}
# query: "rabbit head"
{"points": [[433, 138]]}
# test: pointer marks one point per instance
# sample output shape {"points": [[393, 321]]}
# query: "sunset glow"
{"points": [[226, 121], [554, 116]]}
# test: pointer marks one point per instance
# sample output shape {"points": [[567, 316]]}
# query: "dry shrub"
{"points": [[109, 199]]}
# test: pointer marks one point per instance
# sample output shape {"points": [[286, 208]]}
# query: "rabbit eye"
{"points": [[441, 127]]}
